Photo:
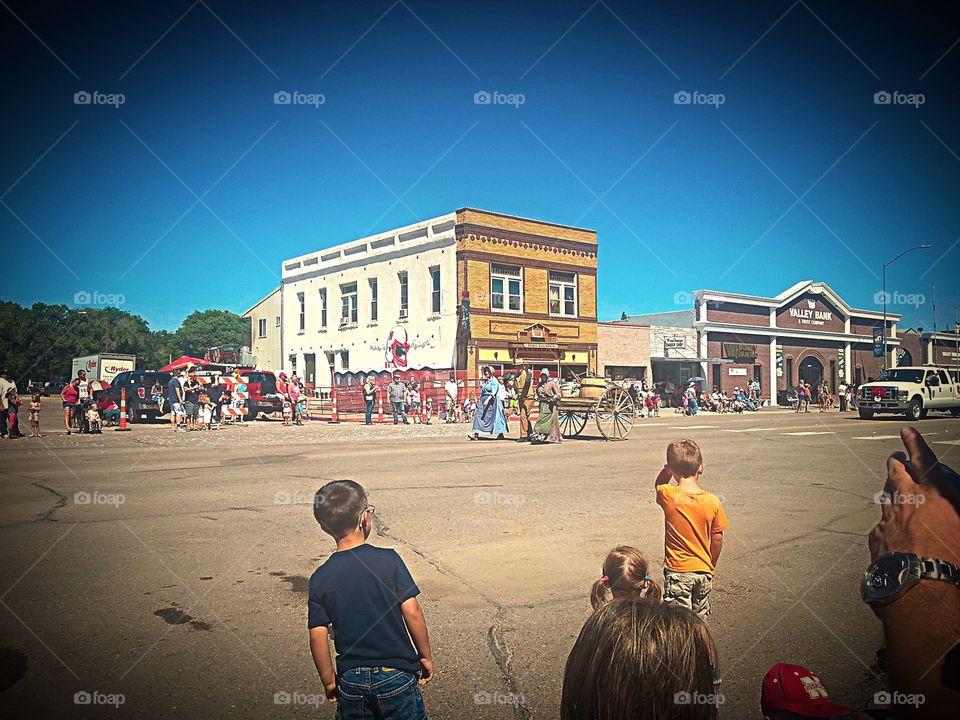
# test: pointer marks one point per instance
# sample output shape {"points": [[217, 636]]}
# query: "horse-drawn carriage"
{"points": [[611, 406]]}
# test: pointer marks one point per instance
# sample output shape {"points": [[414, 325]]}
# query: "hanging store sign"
{"points": [[878, 342], [674, 342], [737, 351], [779, 361]]}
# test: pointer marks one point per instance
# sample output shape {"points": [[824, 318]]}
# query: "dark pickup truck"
{"points": [[140, 404]]}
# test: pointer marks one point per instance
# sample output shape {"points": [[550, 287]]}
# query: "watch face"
{"points": [[885, 577]]}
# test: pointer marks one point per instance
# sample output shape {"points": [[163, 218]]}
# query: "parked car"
{"points": [[49, 389], [140, 405]]}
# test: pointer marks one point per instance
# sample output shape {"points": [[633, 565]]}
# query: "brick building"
{"points": [[531, 293], [623, 350], [806, 332]]}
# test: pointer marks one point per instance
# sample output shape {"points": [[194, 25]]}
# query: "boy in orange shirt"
{"points": [[694, 522]]}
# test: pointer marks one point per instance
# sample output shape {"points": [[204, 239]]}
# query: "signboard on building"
{"points": [[841, 363], [738, 351], [809, 314], [779, 361], [878, 342], [737, 371], [674, 342]]}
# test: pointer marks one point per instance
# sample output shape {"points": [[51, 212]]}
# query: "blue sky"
{"points": [[798, 174]]}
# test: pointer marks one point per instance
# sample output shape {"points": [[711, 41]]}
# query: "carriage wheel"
{"points": [[614, 414], [572, 423]]}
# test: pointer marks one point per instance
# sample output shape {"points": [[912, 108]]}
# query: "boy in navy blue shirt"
{"points": [[369, 597]]}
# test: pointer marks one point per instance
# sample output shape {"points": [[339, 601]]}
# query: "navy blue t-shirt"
{"points": [[360, 591], [172, 388]]}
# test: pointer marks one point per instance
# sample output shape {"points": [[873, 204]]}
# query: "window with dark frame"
{"points": [[404, 293], [348, 304], [303, 311], [323, 308], [262, 328], [373, 299], [435, 290]]}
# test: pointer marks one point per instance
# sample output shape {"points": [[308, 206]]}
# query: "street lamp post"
{"points": [[884, 294]]}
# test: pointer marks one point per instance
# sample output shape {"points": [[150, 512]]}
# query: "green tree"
{"points": [[204, 329]]}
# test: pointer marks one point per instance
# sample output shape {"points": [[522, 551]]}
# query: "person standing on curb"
{"points": [[396, 393]]}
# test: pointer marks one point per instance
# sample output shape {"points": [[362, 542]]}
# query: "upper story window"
{"points": [[506, 288], [303, 310], [563, 293], [374, 299], [435, 290], [404, 293], [278, 321], [262, 328], [323, 308], [348, 304]]}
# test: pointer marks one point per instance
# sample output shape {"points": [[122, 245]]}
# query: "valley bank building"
{"points": [[808, 332]]}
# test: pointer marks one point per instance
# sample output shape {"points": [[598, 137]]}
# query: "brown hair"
{"points": [[635, 659], [337, 507], [684, 458], [625, 573]]}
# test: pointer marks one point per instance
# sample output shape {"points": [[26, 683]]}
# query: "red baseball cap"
{"points": [[798, 690]]}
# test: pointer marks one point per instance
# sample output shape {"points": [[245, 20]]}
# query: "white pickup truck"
{"points": [[910, 391]]}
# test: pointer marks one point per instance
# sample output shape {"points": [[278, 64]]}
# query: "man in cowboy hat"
{"points": [[522, 383]]}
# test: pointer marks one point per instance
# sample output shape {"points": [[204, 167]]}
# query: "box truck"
{"points": [[104, 366]]}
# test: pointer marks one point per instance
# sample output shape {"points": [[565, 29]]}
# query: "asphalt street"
{"points": [[170, 571]]}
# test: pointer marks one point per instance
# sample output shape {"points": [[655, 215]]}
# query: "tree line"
{"points": [[37, 343]]}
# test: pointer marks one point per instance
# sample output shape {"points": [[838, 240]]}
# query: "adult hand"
{"points": [[919, 514]]}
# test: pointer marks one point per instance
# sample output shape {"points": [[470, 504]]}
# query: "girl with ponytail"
{"points": [[625, 574]]}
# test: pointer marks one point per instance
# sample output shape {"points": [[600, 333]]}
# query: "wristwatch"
{"points": [[893, 573]]}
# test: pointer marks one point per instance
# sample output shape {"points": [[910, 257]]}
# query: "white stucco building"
{"points": [[381, 302]]}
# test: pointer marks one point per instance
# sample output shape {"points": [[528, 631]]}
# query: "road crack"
{"points": [[61, 502]]}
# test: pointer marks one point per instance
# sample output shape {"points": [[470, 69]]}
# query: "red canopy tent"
{"points": [[182, 362]]}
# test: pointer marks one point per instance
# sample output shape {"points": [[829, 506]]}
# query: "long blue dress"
{"points": [[490, 418]]}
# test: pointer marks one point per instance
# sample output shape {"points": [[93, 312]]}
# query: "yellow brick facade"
{"points": [[485, 238]]}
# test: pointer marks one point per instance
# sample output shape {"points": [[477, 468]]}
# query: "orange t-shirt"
{"points": [[689, 520]]}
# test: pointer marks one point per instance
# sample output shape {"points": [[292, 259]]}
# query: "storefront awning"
{"points": [[721, 361]]}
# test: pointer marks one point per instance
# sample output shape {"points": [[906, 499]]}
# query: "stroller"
{"points": [[85, 405]]}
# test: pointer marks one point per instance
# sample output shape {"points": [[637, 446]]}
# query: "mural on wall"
{"points": [[398, 348]]}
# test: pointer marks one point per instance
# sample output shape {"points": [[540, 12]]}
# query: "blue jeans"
{"points": [[368, 414], [375, 693], [398, 408], [692, 406]]}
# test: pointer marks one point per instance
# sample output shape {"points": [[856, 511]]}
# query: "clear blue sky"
{"points": [[693, 196]]}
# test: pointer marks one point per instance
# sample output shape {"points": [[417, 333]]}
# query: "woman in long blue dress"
{"points": [[489, 419]]}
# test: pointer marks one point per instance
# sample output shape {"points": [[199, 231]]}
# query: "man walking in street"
{"points": [[842, 394], [175, 398], [451, 389], [396, 392], [522, 385], [692, 399]]}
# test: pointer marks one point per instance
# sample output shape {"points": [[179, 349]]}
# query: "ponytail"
{"points": [[598, 594]]}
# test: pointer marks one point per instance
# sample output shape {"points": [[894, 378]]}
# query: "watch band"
{"points": [[935, 569]]}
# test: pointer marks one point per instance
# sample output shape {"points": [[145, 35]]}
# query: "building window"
{"points": [[404, 294], [278, 321], [373, 299], [303, 311], [435, 290], [262, 328], [789, 373], [563, 293], [323, 308], [506, 288], [344, 360], [348, 304]]}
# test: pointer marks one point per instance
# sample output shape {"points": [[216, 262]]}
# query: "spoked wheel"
{"points": [[615, 413], [572, 423]]}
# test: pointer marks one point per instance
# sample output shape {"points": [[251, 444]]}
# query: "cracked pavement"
{"points": [[173, 570]]}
